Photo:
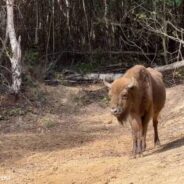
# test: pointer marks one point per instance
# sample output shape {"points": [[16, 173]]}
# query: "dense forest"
{"points": [[89, 35]]}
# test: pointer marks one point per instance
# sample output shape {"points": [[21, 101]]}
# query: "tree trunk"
{"points": [[91, 77], [164, 38], [15, 59]]}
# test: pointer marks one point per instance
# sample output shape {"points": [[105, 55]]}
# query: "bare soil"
{"points": [[71, 138]]}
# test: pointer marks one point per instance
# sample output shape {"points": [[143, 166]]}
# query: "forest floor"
{"points": [[68, 138]]}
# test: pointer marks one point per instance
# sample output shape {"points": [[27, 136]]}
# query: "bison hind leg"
{"points": [[156, 137], [145, 120]]}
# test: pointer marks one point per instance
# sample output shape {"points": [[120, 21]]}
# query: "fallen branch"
{"points": [[172, 66], [73, 77]]}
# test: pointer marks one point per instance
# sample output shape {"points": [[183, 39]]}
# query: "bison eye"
{"points": [[124, 96]]}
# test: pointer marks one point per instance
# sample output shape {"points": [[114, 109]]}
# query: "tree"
{"points": [[15, 57]]}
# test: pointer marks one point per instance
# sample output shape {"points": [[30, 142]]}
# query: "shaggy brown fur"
{"points": [[137, 97]]}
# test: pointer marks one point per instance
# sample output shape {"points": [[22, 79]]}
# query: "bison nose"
{"points": [[114, 110]]}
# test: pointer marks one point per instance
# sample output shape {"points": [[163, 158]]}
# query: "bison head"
{"points": [[120, 93]]}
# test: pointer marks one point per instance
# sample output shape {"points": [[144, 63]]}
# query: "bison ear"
{"points": [[107, 84], [132, 83]]}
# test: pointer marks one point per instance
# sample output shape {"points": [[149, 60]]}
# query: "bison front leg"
{"points": [[137, 135]]}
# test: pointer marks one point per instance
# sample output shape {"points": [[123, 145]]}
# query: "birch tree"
{"points": [[15, 57]]}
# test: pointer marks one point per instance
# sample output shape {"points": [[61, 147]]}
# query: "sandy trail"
{"points": [[84, 148]]}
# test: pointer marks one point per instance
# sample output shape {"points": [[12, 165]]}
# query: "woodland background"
{"points": [[91, 36]]}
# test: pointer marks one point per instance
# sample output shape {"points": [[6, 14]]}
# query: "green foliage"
{"points": [[87, 67], [48, 123], [174, 2], [31, 57], [37, 95], [28, 81], [16, 111], [33, 67], [170, 2]]}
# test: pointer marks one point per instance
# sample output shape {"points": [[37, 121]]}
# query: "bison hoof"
{"points": [[134, 156], [141, 155], [157, 144]]}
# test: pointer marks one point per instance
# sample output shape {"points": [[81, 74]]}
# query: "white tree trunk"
{"points": [[15, 59]]}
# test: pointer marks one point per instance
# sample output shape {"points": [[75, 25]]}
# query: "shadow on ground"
{"points": [[172, 145], [17, 145]]}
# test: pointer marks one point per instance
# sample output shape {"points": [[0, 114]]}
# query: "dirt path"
{"points": [[70, 144]]}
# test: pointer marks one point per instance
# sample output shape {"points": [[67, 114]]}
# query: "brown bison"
{"points": [[136, 97]]}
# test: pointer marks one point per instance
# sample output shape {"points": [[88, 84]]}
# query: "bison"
{"points": [[137, 97]]}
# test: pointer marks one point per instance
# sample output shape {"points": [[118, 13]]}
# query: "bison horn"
{"points": [[132, 83], [107, 83]]}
